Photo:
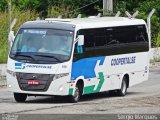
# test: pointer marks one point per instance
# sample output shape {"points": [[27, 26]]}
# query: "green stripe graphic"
{"points": [[90, 89]]}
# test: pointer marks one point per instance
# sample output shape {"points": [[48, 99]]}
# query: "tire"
{"points": [[76, 96], [19, 97], [123, 90]]}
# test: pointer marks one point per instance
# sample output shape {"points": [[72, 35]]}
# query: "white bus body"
{"points": [[107, 53]]}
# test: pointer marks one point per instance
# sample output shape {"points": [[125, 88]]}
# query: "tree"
{"points": [[3, 5], [144, 7]]}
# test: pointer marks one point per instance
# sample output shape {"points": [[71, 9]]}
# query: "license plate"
{"points": [[33, 82]]}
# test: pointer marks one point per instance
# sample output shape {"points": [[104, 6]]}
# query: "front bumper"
{"points": [[58, 87]]}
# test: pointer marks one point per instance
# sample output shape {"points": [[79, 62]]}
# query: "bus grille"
{"points": [[44, 81]]}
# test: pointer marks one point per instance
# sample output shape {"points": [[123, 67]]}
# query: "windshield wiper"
{"points": [[25, 56], [50, 57]]}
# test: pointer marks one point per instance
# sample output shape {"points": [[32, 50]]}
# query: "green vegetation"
{"points": [[25, 10], [144, 7], [155, 60], [3, 37], [4, 28]]}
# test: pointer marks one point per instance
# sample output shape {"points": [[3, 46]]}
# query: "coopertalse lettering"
{"points": [[123, 61]]}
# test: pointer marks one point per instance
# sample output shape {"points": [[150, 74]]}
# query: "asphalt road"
{"points": [[141, 99]]}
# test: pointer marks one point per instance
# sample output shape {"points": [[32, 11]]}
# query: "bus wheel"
{"points": [[19, 97], [76, 96], [123, 90]]}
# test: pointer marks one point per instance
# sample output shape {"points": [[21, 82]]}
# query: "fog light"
{"points": [[61, 88], [9, 86]]}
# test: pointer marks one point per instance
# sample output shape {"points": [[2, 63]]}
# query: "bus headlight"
{"points": [[11, 73], [57, 76]]}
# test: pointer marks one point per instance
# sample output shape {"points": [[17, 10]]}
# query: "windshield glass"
{"points": [[42, 46]]}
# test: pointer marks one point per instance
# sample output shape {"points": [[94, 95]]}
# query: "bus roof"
{"points": [[82, 23]]}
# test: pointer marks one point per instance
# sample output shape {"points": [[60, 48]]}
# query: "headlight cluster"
{"points": [[11, 73], [57, 76]]}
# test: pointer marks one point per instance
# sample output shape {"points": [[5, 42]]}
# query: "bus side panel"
{"points": [[93, 80], [106, 73], [136, 65]]}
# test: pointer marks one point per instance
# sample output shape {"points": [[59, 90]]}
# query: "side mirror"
{"points": [[80, 40]]}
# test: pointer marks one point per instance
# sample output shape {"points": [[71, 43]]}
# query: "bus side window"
{"points": [[141, 34], [88, 37], [112, 36], [100, 39]]}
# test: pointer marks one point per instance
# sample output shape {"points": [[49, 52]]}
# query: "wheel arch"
{"points": [[80, 83], [127, 78]]}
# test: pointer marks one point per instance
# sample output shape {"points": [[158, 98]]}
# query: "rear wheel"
{"points": [[123, 90], [20, 97]]}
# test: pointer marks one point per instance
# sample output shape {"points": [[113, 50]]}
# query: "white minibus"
{"points": [[75, 57]]}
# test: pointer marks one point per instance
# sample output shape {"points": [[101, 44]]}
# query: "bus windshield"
{"points": [[42, 46]]}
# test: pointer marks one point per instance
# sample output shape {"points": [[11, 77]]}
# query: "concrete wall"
{"points": [[3, 69], [155, 53]]}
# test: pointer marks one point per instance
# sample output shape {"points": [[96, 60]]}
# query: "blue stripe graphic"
{"points": [[85, 67], [18, 64]]}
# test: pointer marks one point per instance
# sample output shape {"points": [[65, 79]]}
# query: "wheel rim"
{"points": [[76, 94], [124, 86]]}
